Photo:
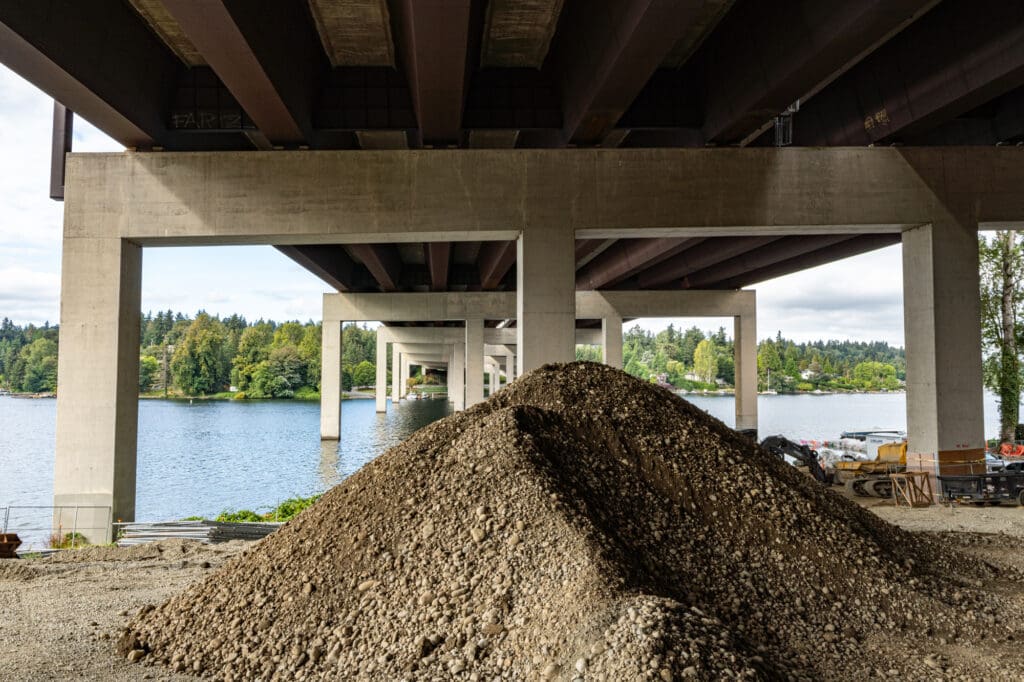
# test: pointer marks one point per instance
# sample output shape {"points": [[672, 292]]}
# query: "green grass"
{"points": [[285, 511]]}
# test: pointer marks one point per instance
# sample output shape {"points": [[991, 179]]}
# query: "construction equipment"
{"points": [[870, 478], [804, 455], [980, 489]]}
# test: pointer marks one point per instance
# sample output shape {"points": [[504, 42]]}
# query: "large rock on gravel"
{"points": [[581, 524]]}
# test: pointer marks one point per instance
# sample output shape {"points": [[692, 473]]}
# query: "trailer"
{"points": [[979, 489]]}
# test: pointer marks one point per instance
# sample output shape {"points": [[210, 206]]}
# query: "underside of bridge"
{"points": [[180, 75], [527, 152]]}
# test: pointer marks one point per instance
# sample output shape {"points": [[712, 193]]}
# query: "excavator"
{"points": [[804, 455], [870, 478]]}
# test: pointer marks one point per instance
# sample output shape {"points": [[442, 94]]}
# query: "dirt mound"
{"points": [[580, 524]]}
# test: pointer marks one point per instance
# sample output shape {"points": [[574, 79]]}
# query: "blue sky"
{"points": [[859, 298]]}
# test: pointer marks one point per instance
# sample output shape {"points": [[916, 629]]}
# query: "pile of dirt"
{"points": [[581, 524]]}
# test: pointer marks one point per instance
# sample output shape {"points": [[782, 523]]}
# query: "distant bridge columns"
{"points": [[941, 312], [396, 374], [98, 398], [611, 341], [457, 377], [745, 370], [330, 380], [380, 384], [475, 361]]}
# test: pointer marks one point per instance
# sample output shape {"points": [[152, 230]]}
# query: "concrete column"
{"points": [[611, 341], [474, 362], [404, 378], [545, 297], [456, 377], [941, 313], [396, 374], [98, 399], [495, 381], [510, 365], [330, 380], [380, 384], [745, 361]]}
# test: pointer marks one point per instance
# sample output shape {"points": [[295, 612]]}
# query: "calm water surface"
{"points": [[208, 456]]}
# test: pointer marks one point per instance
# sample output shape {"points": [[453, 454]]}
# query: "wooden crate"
{"points": [[912, 489]]}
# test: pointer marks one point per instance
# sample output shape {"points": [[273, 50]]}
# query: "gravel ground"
{"points": [[62, 614], [579, 525]]}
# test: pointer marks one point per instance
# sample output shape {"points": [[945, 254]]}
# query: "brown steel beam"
{"points": [[846, 249], [434, 41], [383, 262], [495, 261], [438, 256], [783, 249], [628, 257], [329, 263], [960, 55], [605, 51], [706, 254], [263, 51], [98, 59], [798, 47], [60, 145], [588, 249]]}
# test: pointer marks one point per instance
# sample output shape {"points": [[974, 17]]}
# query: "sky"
{"points": [[858, 298]]}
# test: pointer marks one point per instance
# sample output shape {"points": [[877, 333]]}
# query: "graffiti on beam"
{"points": [[209, 120], [877, 119]]}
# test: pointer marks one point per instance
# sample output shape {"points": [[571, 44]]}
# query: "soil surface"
{"points": [[62, 614], [578, 525]]}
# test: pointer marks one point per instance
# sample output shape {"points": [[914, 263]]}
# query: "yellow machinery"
{"points": [[870, 478]]}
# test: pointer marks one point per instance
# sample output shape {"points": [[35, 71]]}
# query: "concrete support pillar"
{"points": [[546, 297], [495, 380], [404, 378], [330, 380], [456, 377], [510, 365], [941, 313], [396, 374], [98, 400], [380, 384], [611, 341], [474, 362], [745, 361]]}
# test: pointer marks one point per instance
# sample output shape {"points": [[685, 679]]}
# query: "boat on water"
{"points": [[768, 390]]}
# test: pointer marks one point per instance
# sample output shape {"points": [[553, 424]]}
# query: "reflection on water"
{"points": [[204, 457]]}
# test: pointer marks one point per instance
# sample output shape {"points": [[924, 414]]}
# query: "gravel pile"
{"points": [[580, 524]]}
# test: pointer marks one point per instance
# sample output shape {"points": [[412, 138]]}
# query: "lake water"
{"points": [[204, 457]]}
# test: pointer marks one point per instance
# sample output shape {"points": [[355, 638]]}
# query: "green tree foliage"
{"points": [[705, 361], [40, 362], [588, 354], [199, 365], [149, 369], [253, 348], [364, 374], [875, 376], [1002, 297], [309, 351]]}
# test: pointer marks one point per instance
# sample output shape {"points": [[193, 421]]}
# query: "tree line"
{"points": [[695, 359], [208, 355], [202, 355]]}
